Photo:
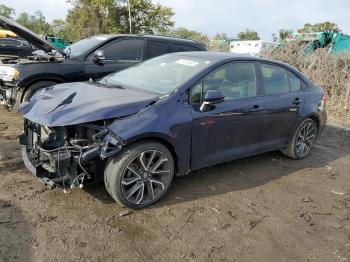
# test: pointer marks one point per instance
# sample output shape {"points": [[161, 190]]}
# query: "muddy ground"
{"points": [[263, 208]]}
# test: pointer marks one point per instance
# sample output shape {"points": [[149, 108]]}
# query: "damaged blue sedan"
{"points": [[138, 128]]}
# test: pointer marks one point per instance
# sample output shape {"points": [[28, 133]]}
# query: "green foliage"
{"points": [[248, 35], [91, 17], [222, 36], [7, 11], [320, 27], [188, 34], [283, 33], [37, 22], [88, 17], [148, 17], [57, 28]]}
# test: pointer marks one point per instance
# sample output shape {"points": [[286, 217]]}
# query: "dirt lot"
{"points": [[264, 208]]}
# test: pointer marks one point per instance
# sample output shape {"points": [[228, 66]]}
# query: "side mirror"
{"points": [[211, 97], [99, 57]]}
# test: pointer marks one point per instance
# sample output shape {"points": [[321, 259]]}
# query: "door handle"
{"points": [[256, 108], [297, 101]]}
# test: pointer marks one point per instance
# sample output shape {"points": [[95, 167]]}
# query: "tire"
{"points": [[29, 92], [134, 186], [302, 141]]}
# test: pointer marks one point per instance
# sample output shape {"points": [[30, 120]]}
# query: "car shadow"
{"points": [[247, 173], [16, 240]]}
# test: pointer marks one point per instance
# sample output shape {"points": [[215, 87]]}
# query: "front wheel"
{"points": [[303, 140], [140, 175], [29, 92]]}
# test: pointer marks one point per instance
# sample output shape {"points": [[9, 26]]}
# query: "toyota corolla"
{"points": [[138, 128]]}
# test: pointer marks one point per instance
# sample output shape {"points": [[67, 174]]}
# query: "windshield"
{"points": [[160, 75], [84, 45]]}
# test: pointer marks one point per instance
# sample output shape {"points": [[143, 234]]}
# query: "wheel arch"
{"points": [[316, 118], [160, 138], [302, 119], [30, 83]]}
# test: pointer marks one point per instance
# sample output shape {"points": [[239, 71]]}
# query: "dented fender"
{"points": [[155, 122]]}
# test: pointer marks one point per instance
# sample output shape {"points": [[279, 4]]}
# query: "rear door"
{"points": [[157, 48], [233, 128], [120, 54], [283, 98], [184, 48]]}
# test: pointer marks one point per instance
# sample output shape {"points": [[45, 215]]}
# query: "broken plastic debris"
{"points": [[307, 199], [217, 211], [329, 167], [334, 225], [338, 193], [125, 213], [307, 217], [178, 198]]}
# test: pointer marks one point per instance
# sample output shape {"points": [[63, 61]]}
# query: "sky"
{"points": [[226, 16]]}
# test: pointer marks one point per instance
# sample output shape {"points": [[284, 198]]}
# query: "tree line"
{"points": [[92, 17]]}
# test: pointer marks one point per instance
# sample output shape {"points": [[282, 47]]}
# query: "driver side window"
{"points": [[125, 49], [235, 80]]}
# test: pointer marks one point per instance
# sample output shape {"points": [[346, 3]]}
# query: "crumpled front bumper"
{"points": [[62, 166], [38, 171]]}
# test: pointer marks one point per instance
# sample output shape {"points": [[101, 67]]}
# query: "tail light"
{"points": [[325, 98], [323, 102]]}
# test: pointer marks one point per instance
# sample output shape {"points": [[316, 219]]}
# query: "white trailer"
{"points": [[251, 47]]}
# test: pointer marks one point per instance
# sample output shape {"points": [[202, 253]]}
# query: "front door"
{"points": [[120, 54], [233, 128]]}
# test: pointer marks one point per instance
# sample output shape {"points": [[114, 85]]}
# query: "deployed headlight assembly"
{"points": [[8, 73]]}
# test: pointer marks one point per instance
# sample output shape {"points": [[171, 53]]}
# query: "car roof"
{"points": [[159, 37], [223, 56]]}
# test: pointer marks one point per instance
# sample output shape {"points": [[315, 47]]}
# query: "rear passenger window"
{"points": [[295, 83], [185, 48], [277, 80], [157, 48], [127, 49]]}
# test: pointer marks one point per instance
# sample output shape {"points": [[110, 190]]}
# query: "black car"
{"points": [[93, 57], [15, 47], [175, 113]]}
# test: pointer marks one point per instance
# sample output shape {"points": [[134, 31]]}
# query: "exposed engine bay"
{"points": [[69, 156], [39, 58]]}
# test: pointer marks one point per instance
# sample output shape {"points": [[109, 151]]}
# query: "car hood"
{"points": [[83, 102], [28, 35]]}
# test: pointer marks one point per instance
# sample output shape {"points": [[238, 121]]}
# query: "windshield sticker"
{"points": [[186, 62]]}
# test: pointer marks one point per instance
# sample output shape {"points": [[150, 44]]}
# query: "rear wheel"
{"points": [[303, 140], [140, 175]]}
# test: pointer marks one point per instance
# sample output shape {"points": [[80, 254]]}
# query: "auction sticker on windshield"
{"points": [[186, 62]]}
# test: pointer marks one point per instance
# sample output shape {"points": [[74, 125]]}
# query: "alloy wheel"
{"points": [[145, 177], [305, 140]]}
